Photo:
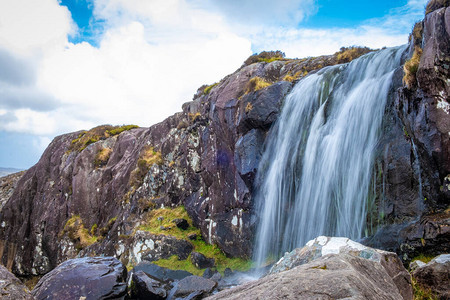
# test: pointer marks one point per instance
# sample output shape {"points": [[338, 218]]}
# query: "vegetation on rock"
{"points": [[147, 158], [96, 134], [102, 157], [410, 68], [347, 54], [265, 56], [80, 236], [208, 89], [436, 4], [160, 221], [255, 84]]}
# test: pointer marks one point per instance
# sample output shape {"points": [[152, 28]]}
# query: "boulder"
{"points": [[333, 276], [201, 261], [181, 223], [163, 274], [322, 246], [192, 286], [435, 275], [89, 277], [11, 288], [144, 287], [151, 247]]}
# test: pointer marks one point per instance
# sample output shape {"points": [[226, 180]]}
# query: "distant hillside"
{"points": [[7, 171]]}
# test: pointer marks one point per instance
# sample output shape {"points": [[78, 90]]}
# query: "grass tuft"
{"points": [[256, 84], [96, 134], [410, 68], [265, 56], [80, 236]]}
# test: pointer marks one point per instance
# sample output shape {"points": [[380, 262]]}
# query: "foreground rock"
{"points": [[144, 287], [11, 288], [160, 273], [192, 287], [90, 277], [435, 276], [334, 276], [322, 246]]}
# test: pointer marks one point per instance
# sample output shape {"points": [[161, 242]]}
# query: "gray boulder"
{"points": [[144, 287], [322, 246], [201, 261], [192, 286], [333, 276], [89, 277], [435, 275], [11, 288]]}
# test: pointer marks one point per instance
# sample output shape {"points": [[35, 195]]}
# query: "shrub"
{"points": [[265, 56], [249, 107], [347, 54], [255, 84], [410, 68]]}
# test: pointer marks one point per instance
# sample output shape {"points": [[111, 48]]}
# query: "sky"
{"points": [[69, 65]]}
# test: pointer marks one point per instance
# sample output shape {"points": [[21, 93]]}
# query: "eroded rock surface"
{"points": [[333, 276], [11, 288], [90, 277]]}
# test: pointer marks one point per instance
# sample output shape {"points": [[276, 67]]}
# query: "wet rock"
{"points": [[322, 246], [163, 274], [145, 287], [201, 261], [209, 272], [333, 276], [11, 288], [90, 277], [227, 272], [192, 285], [181, 223], [435, 275]]}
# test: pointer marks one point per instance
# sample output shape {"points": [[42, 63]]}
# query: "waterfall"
{"points": [[314, 177]]}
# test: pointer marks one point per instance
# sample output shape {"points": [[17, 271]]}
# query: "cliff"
{"points": [[93, 192]]}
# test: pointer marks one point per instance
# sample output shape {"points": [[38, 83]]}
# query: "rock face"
{"points": [[11, 288], [192, 286], [435, 276], [7, 185], [146, 287], [333, 276], [412, 169], [90, 277], [322, 246]]}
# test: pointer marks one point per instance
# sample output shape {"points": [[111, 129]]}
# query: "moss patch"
{"points": [[164, 217], [208, 89], [102, 157], [265, 56], [421, 293], [147, 158]]}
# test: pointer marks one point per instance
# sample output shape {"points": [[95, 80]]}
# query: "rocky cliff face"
{"points": [[412, 173], [91, 192]]}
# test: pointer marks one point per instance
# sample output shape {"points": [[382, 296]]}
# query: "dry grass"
{"points": [[410, 68], [194, 117], [96, 134], [436, 4], [102, 157], [248, 107], [422, 293], [265, 56], [255, 84], [147, 158], [347, 54], [76, 231], [208, 89]]}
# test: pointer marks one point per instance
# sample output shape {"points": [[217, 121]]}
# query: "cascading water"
{"points": [[315, 173]]}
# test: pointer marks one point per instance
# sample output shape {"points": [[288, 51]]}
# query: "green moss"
{"points": [[265, 56], [120, 129], [164, 217], [208, 89], [423, 257]]}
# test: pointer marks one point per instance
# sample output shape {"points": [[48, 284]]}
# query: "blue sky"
{"points": [[73, 64]]}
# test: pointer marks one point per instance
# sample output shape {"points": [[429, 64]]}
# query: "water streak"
{"points": [[314, 176]]}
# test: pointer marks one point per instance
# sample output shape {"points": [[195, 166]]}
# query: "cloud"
{"points": [[280, 13]]}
